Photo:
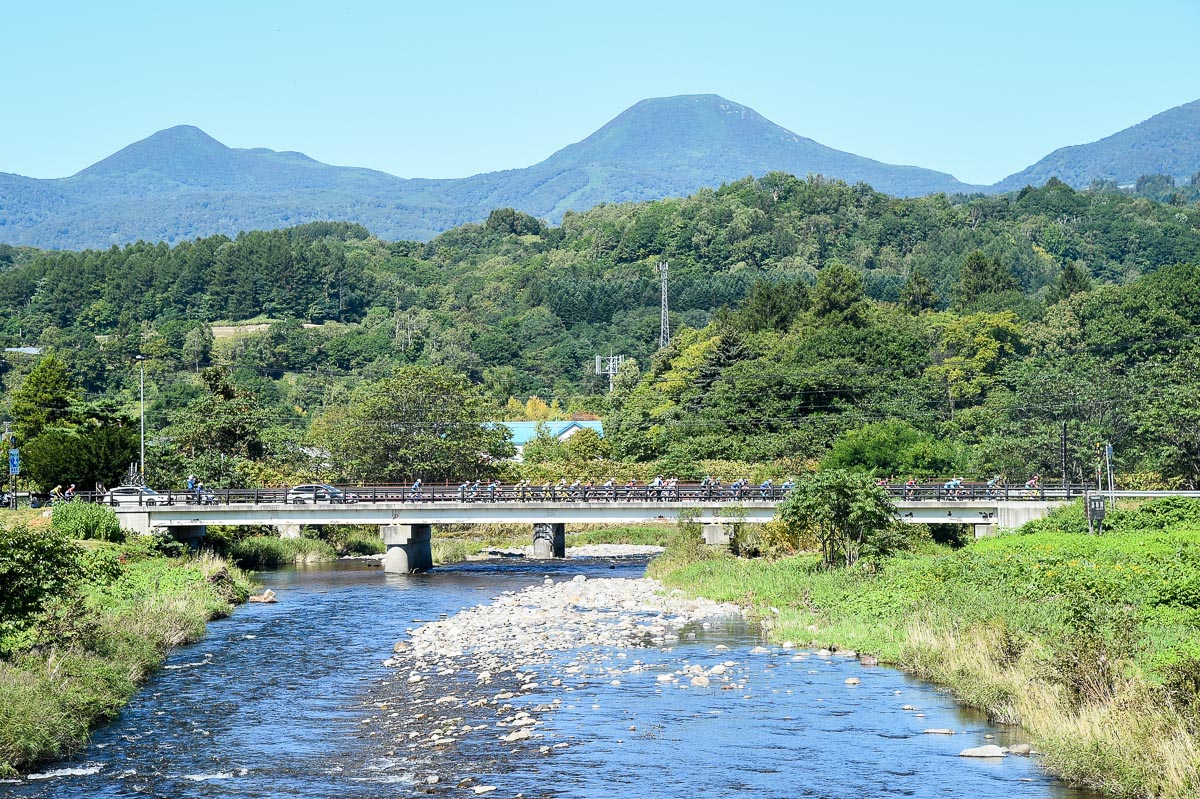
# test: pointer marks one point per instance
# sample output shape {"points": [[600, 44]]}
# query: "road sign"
{"points": [[1096, 509], [14, 461]]}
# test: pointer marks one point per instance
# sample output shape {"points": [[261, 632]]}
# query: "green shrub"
{"points": [[83, 520], [34, 566]]}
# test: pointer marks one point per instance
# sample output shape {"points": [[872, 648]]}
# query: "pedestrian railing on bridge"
{"points": [[682, 492]]}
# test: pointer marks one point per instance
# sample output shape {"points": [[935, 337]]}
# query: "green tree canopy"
{"points": [[840, 294], [1073, 279], [46, 397], [421, 421], [917, 294], [981, 279], [846, 512]]}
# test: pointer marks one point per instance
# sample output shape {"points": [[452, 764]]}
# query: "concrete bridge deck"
{"points": [[406, 526]]}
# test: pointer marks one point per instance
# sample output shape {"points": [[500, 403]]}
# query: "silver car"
{"points": [[314, 493], [134, 495]]}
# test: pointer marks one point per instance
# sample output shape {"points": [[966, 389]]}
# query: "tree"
{"points": [[840, 294], [893, 447], [1073, 279], [846, 512], [917, 294], [46, 397], [771, 305], [587, 445], [981, 278], [197, 345], [1166, 415], [543, 447], [227, 421], [971, 351], [419, 422]]}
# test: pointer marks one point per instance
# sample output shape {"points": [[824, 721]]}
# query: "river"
{"points": [[283, 701]]}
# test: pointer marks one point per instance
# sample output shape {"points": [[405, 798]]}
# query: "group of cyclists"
{"points": [[659, 489], [955, 489]]}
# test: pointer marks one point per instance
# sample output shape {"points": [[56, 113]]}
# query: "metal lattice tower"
{"points": [[664, 329]]}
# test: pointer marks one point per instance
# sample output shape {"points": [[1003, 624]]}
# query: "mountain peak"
{"points": [[694, 140], [183, 154]]}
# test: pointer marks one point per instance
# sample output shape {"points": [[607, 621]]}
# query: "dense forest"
{"points": [[812, 320]]}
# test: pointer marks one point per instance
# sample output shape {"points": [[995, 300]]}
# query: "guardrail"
{"points": [[682, 492]]}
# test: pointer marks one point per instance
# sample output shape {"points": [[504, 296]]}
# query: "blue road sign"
{"points": [[14, 461]]}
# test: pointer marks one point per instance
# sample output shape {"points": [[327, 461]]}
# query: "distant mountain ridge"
{"points": [[181, 183], [1166, 143]]}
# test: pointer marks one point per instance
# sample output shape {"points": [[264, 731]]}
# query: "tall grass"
{"points": [[636, 534], [93, 648], [264, 552], [1092, 644]]}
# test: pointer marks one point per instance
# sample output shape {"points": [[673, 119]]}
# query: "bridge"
{"points": [[405, 517]]}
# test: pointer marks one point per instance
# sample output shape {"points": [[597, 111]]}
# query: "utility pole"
{"points": [[609, 365], [1063, 452], [664, 329], [14, 466], [141, 359]]}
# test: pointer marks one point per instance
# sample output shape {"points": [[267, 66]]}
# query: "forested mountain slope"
{"points": [[1165, 144], [804, 311]]}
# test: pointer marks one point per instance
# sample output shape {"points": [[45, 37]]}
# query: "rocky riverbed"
{"points": [[485, 681]]}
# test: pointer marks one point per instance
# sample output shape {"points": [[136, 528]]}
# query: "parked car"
{"points": [[134, 495], [319, 492]]}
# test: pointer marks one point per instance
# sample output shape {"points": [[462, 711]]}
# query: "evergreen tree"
{"points": [[980, 278], [840, 294], [917, 294], [45, 398], [1073, 279]]}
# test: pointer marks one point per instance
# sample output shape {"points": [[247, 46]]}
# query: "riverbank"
{"points": [[84, 623], [1091, 644]]}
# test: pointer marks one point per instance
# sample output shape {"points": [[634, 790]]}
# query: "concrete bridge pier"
{"points": [[408, 548], [717, 535], [549, 540], [985, 530], [191, 535], [288, 530]]}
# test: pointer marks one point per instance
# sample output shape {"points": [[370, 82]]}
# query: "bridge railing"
{"points": [[682, 492], [944, 492]]}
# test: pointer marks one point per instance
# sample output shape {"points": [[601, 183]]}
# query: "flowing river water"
{"points": [[293, 700]]}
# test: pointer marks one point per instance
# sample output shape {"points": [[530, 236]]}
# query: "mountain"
{"points": [[1167, 143], [181, 183]]}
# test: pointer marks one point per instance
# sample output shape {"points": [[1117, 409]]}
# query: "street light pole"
{"points": [[141, 359]]}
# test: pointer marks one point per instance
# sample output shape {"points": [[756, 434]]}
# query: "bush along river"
{"points": [[520, 678]]}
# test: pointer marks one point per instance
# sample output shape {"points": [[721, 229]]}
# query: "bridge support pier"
{"points": [[409, 548], [288, 530], [717, 535], [549, 540], [191, 535], [985, 530]]}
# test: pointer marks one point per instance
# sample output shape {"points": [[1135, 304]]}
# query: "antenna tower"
{"points": [[664, 328], [609, 365]]}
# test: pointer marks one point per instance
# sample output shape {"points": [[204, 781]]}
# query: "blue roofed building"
{"points": [[524, 432]]}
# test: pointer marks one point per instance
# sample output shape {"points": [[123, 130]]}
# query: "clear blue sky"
{"points": [[444, 89]]}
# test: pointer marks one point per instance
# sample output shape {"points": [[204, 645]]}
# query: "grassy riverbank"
{"points": [[83, 623], [1091, 643]]}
